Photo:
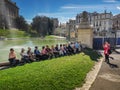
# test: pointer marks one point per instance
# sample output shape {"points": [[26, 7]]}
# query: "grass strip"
{"points": [[64, 73]]}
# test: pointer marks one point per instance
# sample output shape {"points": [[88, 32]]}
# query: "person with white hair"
{"points": [[24, 56]]}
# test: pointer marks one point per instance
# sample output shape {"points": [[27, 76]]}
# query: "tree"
{"points": [[21, 23], [43, 25], [36, 24], [51, 27]]}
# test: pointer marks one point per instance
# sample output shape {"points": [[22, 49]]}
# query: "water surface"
{"points": [[17, 44]]}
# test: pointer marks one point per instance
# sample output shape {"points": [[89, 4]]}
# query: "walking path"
{"points": [[108, 77], [91, 76]]}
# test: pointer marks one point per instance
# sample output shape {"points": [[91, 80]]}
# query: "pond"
{"points": [[17, 44]]}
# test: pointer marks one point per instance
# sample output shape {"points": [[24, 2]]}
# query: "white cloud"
{"points": [[118, 7], [110, 1], [73, 6], [89, 7], [70, 7]]}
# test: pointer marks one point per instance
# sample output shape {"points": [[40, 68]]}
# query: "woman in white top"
{"points": [[24, 56]]}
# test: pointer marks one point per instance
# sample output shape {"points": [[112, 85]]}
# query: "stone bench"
{"points": [[4, 64]]}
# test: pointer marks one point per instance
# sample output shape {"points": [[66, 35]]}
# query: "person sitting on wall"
{"points": [[80, 46], [70, 49], [37, 54], [57, 51], [77, 46], [13, 58], [30, 54], [65, 50], [73, 47], [61, 52], [49, 52], [24, 56], [44, 53]]}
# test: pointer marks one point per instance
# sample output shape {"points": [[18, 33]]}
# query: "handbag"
{"points": [[109, 51]]}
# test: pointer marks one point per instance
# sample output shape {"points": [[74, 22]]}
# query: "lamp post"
{"points": [[104, 34], [115, 39], [114, 30]]}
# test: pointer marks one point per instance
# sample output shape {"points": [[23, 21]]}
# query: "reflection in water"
{"points": [[23, 43]]}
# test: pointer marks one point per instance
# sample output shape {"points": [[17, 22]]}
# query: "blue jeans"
{"points": [[13, 62]]}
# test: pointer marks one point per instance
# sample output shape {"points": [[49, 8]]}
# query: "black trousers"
{"points": [[107, 58], [38, 57], [45, 57]]}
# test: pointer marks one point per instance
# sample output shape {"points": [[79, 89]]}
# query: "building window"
{"points": [[94, 24], [98, 30], [104, 28], [97, 24], [100, 23], [104, 22]]}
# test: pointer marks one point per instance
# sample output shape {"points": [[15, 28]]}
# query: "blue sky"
{"points": [[64, 9]]}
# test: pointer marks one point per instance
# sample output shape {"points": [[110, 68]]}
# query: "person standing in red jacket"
{"points": [[106, 48]]}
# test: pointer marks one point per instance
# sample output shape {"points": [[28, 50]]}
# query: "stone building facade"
{"points": [[116, 21], [116, 24], [8, 12], [100, 22]]}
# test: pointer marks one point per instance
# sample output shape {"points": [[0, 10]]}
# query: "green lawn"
{"points": [[4, 32], [63, 73], [13, 33], [17, 34]]}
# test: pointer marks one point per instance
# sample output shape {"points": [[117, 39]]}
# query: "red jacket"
{"points": [[106, 48]]}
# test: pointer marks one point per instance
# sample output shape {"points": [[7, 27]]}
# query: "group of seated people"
{"points": [[45, 53]]}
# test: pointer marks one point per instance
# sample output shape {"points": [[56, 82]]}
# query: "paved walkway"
{"points": [[108, 77]]}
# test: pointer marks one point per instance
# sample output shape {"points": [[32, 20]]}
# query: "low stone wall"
{"points": [[4, 64]]}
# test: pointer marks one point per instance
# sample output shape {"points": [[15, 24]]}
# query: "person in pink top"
{"points": [[44, 53], [106, 48]]}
